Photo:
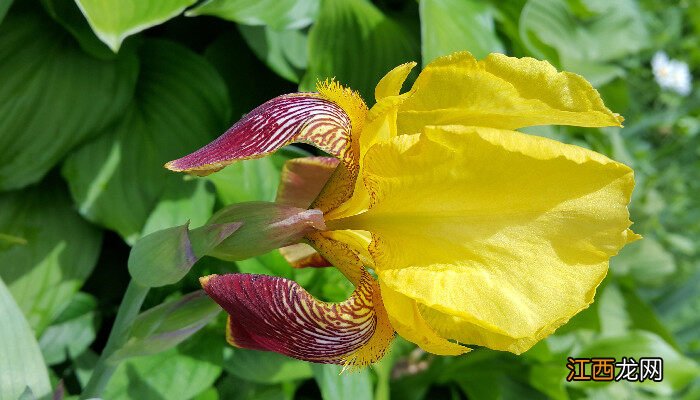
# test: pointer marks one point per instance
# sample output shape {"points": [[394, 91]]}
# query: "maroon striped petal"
{"points": [[276, 314], [299, 117]]}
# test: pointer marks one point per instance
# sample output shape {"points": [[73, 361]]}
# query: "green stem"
{"points": [[128, 310]]}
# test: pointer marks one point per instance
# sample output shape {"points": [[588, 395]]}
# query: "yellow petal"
{"points": [[408, 322], [507, 231], [501, 92], [391, 83]]}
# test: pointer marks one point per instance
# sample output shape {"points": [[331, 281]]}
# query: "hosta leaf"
{"points": [[52, 96], [609, 30], [21, 365], [337, 386], [68, 15], [278, 14], [247, 180], [60, 252], [357, 44], [72, 331], [284, 51], [115, 20], [265, 367], [180, 104], [4, 6], [454, 25], [177, 374]]}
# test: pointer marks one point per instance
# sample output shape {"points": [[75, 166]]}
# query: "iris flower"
{"points": [[477, 234]]}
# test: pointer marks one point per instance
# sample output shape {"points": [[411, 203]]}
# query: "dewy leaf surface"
{"points": [[60, 252], [52, 96], [22, 365], [180, 104], [115, 20]]}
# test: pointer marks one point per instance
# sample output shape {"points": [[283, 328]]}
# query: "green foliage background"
{"points": [[95, 95]]}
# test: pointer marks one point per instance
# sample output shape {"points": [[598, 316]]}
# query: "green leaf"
{"points": [[232, 388], [284, 51], [22, 365], [61, 251], [4, 6], [72, 332], [177, 374], [247, 180], [345, 386], [278, 14], [609, 30], [68, 15], [54, 94], [180, 103], [115, 20], [167, 325], [356, 43], [646, 261], [264, 366], [180, 203], [454, 25]]}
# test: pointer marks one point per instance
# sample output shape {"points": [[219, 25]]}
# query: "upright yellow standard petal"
{"points": [[508, 233], [501, 92]]}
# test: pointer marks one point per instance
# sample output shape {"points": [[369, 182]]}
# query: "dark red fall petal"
{"points": [[276, 314], [298, 117]]}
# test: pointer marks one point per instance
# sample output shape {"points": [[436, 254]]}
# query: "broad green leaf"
{"points": [[167, 325], [345, 386], [454, 25], [68, 15], [271, 263], [72, 332], [284, 51], [60, 252], [278, 14], [357, 44], [265, 367], [21, 364], [646, 261], [52, 96], [115, 20], [192, 202], [678, 370], [180, 105], [247, 180], [233, 388], [4, 6], [177, 374], [586, 44]]}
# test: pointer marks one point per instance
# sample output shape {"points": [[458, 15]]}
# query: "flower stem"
{"points": [[128, 310]]}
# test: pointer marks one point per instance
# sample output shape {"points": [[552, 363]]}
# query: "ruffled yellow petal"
{"points": [[509, 232], [501, 92], [408, 322], [391, 83]]}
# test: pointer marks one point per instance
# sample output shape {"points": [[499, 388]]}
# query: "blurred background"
{"points": [[96, 95]]}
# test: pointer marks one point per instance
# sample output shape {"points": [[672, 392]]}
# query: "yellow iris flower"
{"points": [[478, 234]]}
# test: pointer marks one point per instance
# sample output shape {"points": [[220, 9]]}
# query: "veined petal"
{"points": [[276, 314], [301, 255], [501, 92], [507, 231], [303, 178], [299, 117]]}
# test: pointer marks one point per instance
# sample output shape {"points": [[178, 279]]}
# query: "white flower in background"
{"points": [[671, 74]]}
